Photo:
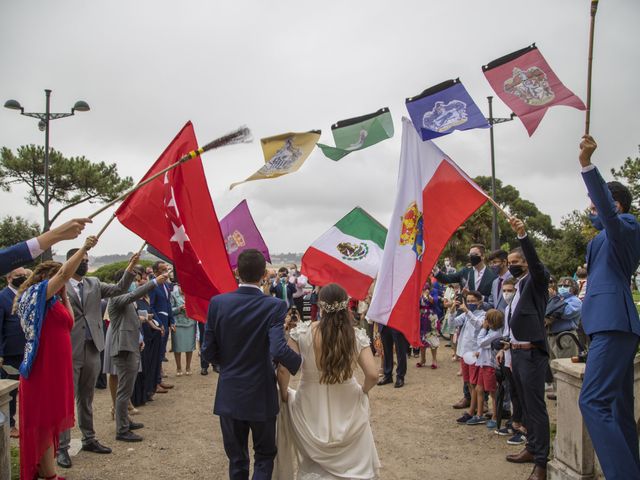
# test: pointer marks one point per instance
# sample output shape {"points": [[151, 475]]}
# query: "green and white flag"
{"points": [[358, 133], [349, 253]]}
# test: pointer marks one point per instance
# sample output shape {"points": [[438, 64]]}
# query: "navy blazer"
{"points": [[13, 257], [244, 336], [12, 339], [612, 257], [277, 291], [527, 320], [466, 278], [160, 300]]}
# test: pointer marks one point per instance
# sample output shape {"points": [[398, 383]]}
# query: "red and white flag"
{"points": [[525, 82], [175, 214], [434, 198]]}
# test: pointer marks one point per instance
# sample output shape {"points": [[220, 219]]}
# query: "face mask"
{"points": [[447, 263], [596, 222], [564, 291], [17, 281], [82, 269], [508, 296], [495, 269], [472, 307], [133, 286], [516, 270], [475, 259]]}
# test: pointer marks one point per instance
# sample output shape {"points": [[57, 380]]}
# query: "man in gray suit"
{"points": [[126, 343], [87, 341], [498, 263]]}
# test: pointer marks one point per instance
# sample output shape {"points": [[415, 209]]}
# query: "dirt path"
{"points": [[414, 427]]}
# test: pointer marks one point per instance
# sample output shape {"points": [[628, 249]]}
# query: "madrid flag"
{"points": [[434, 198], [175, 214]]}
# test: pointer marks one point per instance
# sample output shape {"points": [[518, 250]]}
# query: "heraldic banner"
{"points": [[284, 154], [349, 253], [444, 108], [240, 233], [358, 133], [434, 198], [525, 82]]}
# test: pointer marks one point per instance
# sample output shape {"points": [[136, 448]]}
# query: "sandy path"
{"points": [[414, 427]]}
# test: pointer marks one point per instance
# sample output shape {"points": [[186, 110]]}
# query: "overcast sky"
{"points": [[147, 67]]}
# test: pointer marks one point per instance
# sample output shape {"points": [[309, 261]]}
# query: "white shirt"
{"points": [[250, 285], [477, 276], [74, 284], [34, 247], [485, 338], [511, 308], [471, 323]]}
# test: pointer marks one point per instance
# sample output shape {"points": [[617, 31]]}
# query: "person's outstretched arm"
{"points": [[58, 281]]}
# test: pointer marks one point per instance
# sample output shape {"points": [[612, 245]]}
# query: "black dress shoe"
{"points": [[63, 459], [385, 381], [129, 437], [95, 447], [204, 371], [399, 383], [135, 425]]}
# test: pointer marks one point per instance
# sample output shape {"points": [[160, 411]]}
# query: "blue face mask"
{"points": [[596, 222], [133, 286], [564, 291], [472, 307]]}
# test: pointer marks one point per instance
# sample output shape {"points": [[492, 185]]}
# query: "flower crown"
{"points": [[333, 307]]}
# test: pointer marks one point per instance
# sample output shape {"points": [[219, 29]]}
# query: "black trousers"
{"points": [[203, 362], [13, 361], [516, 408], [235, 436], [389, 337], [529, 371]]}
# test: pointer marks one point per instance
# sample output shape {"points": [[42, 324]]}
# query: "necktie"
{"points": [[80, 291], [283, 284], [499, 292]]}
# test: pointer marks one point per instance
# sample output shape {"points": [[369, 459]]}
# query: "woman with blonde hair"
{"points": [[46, 371], [325, 423]]}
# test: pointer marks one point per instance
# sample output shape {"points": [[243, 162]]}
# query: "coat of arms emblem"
{"points": [[531, 86], [445, 116], [350, 251], [282, 160], [234, 241], [411, 233]]}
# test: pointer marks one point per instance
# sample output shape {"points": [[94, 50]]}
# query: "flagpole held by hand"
{"points": [[142, 248], [594, 9], [104, 227], [241, 135], [495, 204]]}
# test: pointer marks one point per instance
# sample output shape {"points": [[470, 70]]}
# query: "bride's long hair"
{"points": [[338, 351]]}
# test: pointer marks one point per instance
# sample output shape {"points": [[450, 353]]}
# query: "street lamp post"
{"points": [[495, 232], [43, 125]]}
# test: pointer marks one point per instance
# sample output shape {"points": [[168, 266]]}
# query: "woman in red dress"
{"points": [[46, 372]]}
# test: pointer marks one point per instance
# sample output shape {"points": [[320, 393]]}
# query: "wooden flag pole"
{"points": [[495, 204], [142, 247], [104, 227], [241, 135], [594, 9]]}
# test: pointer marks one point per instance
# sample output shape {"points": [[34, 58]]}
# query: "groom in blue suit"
{"points": [[611, 320], [244, 336]]}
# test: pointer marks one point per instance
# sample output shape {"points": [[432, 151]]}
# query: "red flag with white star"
{"points": [[175, 214]]}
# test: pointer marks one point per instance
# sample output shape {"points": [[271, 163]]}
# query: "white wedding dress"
{"points": [[324, 430]]}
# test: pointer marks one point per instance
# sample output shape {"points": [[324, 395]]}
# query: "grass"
{"points": [[636, 299], [15, 463]]}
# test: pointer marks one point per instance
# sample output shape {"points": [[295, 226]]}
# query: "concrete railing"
{"points": [[574, 457], [6, 387]]}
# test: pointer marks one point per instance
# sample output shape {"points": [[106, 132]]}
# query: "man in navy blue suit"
{"points": [[244, 336], [22, 253], [610, 318], [160, 300], [12, 338]]}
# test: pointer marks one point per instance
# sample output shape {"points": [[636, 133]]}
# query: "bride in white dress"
{"points": [[323, 427]]}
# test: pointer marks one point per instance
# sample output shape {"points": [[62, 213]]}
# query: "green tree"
{"points": [[72, 180], [629, 173], [16, 229], [477, 228], [105, 273]]}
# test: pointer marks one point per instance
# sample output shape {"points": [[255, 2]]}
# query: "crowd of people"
{"points": [[505, 315]]}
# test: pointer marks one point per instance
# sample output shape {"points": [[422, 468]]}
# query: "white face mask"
{"points": [[508, 296]]}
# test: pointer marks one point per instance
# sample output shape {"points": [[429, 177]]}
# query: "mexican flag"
{"points": [[349, 253]]}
